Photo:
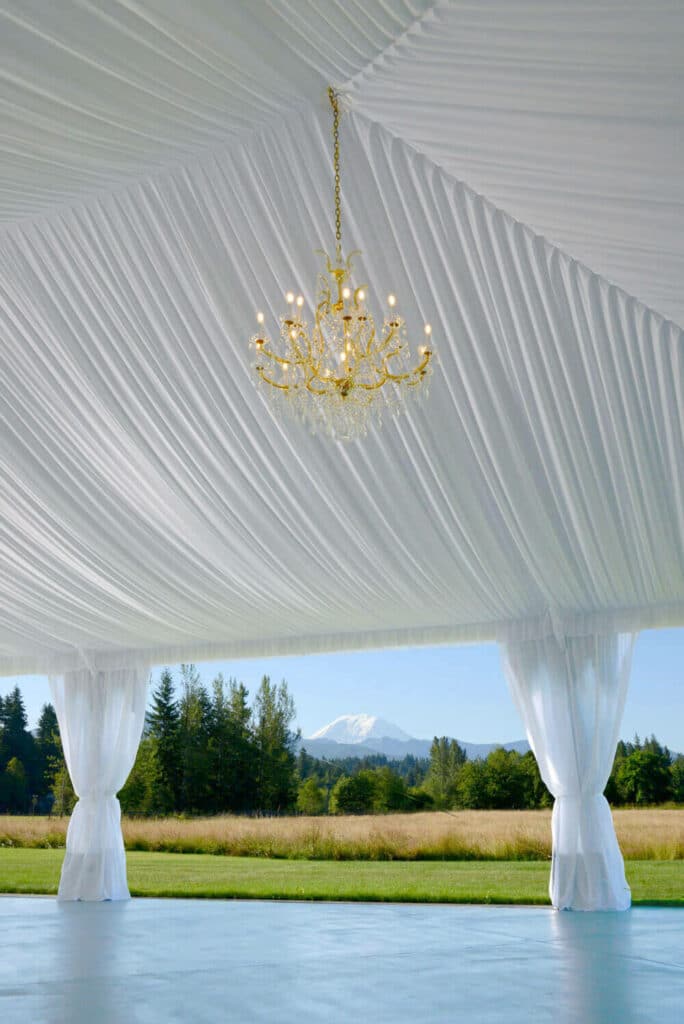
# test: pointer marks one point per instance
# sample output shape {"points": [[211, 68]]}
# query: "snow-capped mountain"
{"points": [[359, 729], [362, 735]]}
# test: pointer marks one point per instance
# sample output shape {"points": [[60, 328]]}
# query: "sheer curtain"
{"points": [[101, 716], [571, 696]]}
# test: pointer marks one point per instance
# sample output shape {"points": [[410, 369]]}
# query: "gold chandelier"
{"points": [[340, 373]]}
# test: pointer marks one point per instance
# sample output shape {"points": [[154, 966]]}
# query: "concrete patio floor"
{"points": [[199, 961]]}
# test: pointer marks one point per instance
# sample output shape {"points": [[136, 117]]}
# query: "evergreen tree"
{"points": [[164, 727], [219, 747], [241, 752], [195, 731], [143, 792], [17, 741], [49, 748], [306, 764], [275, 744]]}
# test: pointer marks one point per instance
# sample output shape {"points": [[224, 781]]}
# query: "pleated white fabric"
{"points": [[151, 503], [570, 693], [566, 115], [95, 95], [101, 716], [166, 172]]}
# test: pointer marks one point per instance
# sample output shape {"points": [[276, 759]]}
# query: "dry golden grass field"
{"points": [[656, 834]]}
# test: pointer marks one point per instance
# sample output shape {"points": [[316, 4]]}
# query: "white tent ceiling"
{"points": [[166, 171]]}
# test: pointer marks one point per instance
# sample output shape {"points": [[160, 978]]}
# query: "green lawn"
{"points": [[202, 875]]}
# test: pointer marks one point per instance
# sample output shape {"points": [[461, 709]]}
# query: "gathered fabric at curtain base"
{"points": [[101, 716], [587, 869], [570, 692], [95, 863]]}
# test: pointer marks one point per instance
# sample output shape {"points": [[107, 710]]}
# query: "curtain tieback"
{"points": [[579, 797], [94, 799]]}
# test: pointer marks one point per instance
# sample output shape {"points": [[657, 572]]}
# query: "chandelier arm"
{"points": [[381, 377], [322, 309], [369, 346], [373, 387], [329, 267], [350, 257], [276, 358], [300, 358], [386, 341], [316, 391], [273, 383], [309, 357], [398, 377]]}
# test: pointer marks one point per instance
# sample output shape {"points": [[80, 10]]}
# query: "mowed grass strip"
{"points": [[202, 876]]}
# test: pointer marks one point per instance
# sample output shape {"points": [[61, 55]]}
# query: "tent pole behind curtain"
{"points": [[571, 696], [101, 717]]}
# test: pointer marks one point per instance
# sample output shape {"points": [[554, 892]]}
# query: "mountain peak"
{"points": [[358, 729]]}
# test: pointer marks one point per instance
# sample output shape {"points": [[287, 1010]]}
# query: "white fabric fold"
{"points": [[571, 698], [96, 95], [571, 125], [101, 716], [150, 502]]}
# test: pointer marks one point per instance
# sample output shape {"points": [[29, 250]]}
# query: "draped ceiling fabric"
{"points": [[514, 172]]}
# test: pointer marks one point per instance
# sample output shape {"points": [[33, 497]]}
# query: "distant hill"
{"points": [[364, 735]]}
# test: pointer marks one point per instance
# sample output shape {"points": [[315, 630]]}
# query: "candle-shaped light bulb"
{"points": [[300, 301], [260, 318], [361, 294], [346, 292], [428, 330], [289, 297], [391, 301]]}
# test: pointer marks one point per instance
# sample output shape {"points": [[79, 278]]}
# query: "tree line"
{"points": [[208, 750], [643, 774], [29, 763]]}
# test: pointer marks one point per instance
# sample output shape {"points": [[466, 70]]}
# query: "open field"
{"points": [[197, 875], [656, 834]]}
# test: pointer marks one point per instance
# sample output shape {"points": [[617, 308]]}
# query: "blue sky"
{"points": [[456, 691]]}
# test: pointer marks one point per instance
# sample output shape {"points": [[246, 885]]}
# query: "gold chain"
{"points": [[336, 163]]}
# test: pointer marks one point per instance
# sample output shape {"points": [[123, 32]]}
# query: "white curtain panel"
{"points": [[571, 693], [101, 716]]}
